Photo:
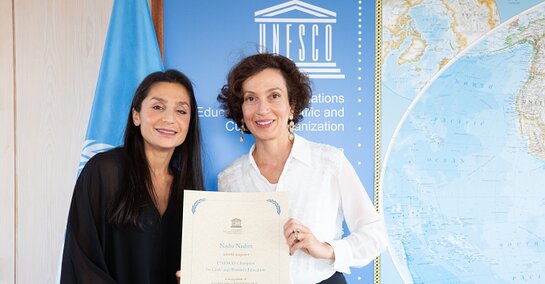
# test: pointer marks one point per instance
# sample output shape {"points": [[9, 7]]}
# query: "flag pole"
{"points": [[158, 23]]}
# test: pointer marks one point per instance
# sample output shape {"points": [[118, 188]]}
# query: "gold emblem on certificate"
{"points": [[230, 238]]}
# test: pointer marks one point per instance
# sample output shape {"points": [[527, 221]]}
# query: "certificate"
{"points": [[234, 238]]}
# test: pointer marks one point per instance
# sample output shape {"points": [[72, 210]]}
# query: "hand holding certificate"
{"points": [[234, 238]]}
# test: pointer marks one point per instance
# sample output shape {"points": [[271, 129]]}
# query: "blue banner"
{"points": [[130, 53], [332, 41]]}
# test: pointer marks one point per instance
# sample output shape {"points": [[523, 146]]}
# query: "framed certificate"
{"points": [[234, 238]]}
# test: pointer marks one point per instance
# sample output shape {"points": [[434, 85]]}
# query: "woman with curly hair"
{"points": [[265, 95]]}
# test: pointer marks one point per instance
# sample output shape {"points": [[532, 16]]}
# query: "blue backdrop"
{"points": [[332, 41]]}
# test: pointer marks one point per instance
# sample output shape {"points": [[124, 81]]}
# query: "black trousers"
{"points": [[337, 278]]}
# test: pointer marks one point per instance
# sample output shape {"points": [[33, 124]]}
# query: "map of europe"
{"points": [[463, 192]]}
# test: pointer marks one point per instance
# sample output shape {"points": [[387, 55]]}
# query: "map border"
{"points": [[378, 121]]}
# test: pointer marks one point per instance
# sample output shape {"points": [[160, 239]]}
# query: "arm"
{"points": [[367, 237], [83, 259], [222, 185], [229, 179]]}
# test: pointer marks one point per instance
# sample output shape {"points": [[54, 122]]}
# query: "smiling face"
{"points": [[266, 107], [164, 117]]}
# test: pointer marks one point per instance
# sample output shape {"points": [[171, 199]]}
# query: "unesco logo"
{"points": [[303, 33], [234, 228], [236, 223]]}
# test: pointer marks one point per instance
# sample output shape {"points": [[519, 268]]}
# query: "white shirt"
{"points": [[323, 190]]}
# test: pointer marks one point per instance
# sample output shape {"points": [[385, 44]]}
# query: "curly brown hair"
{"points": [[297, 83]]}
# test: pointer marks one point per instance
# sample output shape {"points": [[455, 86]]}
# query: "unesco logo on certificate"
{"points": [[235, 227], [303, 33]]}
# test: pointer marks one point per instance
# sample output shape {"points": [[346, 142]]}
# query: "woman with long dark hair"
{"points": [[125, 218]]}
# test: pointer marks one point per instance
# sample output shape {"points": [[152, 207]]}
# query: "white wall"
{"points": [[7, 151], [48, 70]]}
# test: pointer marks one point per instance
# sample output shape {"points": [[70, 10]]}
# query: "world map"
{"points": [[464, 121]]}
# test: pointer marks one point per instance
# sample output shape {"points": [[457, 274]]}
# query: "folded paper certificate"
{"points": [[230, 238]]}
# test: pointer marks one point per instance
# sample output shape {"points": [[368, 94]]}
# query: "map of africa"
{"points": [[463, 192]]}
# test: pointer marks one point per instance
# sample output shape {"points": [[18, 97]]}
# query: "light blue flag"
{"points": [[131, 53]]}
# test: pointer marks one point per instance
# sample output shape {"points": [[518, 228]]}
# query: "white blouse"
{"points": [[323, 190]]}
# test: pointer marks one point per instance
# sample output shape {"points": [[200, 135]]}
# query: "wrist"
{"points": [[330, 253]]}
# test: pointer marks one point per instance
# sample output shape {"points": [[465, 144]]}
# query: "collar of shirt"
{"points": [[299, 151]]}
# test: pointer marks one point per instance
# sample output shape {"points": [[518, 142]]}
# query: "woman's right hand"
{"points": [[178, 275], [301, 238]]}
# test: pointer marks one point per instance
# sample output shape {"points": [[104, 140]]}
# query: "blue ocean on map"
{"points": [[462, 192], [511, 8]]}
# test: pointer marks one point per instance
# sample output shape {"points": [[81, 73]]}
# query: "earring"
{"points": [[242, 129], [291, 128]]}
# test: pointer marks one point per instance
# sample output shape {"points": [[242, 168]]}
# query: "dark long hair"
{"points": [[185, 164]]}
